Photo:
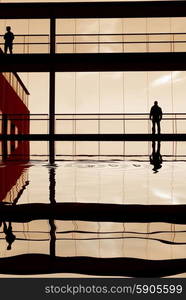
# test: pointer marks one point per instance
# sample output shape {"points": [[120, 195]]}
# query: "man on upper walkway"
{"points": [[8, 37]]}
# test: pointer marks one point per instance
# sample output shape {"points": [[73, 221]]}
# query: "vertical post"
{"points": [[52, 93], [52, 117], [52, 36], [4, 132], [12, 143]]}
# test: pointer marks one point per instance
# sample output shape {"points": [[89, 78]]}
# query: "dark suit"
{"points": [[8, 37], [156, 116]]}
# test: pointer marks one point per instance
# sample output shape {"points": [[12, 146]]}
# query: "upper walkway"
{"points": [[99, 51], [87, 62]]}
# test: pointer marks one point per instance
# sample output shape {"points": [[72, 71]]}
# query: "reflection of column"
{"points": [[52, 94], [52, 185], [52, 238], [4, 132]]}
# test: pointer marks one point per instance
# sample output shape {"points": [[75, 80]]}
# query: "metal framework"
{"points": [[53, 62]]}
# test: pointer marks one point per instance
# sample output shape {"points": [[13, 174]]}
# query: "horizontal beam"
{"points": [[93, 62], [93, 10], [94, 212], [94, 137], [29, 264]]}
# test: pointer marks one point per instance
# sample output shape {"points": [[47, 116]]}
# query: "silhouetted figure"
{"points": [[10, 237], [156, 116], [8, 37], [155, 157]]}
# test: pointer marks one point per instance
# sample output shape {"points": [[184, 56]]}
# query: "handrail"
{"points": [[100, 34], [19, 83], [94, 117], [99, 123], [122, 35], [94, 114]]}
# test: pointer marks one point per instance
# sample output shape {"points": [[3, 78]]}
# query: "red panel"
{"points": [[10, 103]]}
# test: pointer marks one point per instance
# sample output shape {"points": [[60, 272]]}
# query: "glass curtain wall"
{"points": [[113, 93], [121, 35]]}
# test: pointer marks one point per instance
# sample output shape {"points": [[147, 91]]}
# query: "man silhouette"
{"points": [[155, 116], [8, 37]]}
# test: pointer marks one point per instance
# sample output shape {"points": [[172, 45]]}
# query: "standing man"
{"points": [[8, 37], [155, 116]]}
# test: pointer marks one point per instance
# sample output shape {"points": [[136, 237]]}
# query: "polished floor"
{"points": [[157, 248]]}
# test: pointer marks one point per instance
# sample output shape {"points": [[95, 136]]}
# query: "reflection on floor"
{"points": [[102, 249], [95, 218]]}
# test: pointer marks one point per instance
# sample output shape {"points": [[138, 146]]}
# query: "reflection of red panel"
{"points": [[9, 174]]}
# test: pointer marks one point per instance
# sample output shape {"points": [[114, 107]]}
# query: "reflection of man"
{"points": [[8, 37], [10, 237], [155, 116], [155, 157]]}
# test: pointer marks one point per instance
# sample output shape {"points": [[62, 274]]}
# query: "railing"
{"points": [[137, 123], [16, 83], [100, 43], [117, 123], [122, 42], [95, 123]]}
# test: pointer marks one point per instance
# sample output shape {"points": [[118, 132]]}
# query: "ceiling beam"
{"points": [[134, 9], [93, 62]]}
